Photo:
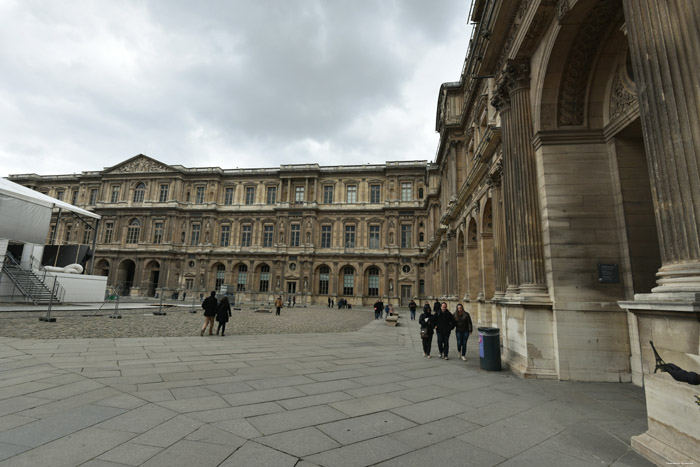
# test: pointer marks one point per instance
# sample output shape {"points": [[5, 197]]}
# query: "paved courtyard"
{"points": [[358, 398]]}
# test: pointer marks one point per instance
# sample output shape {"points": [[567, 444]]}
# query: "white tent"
{"points": [[25, 214]]}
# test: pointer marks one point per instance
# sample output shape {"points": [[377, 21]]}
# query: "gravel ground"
{"points": [[178, 322]]}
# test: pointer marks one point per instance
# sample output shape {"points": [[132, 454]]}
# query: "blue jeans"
{"points": [[413, 314], [462, 342], [443, 343]]}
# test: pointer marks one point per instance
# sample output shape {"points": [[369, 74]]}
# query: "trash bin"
{"points": [[489, 349]]}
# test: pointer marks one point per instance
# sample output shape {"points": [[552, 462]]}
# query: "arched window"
{"points": [[139, 193], [133, 231], [348, 281], [420, 193], [323, 280], [373, 282], [242, 277], [264, 278], [220, 276]]}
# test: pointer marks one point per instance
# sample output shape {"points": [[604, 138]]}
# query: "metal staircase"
{"points": [[31, 285]]}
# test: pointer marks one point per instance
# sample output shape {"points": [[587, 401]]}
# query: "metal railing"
{"points": [[32, 286]]}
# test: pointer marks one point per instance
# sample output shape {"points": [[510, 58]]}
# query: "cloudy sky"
{"points": [[231, 83]]}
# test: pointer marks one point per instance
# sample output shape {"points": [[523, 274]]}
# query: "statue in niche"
{"points": [[308, 237], [391, 237]]}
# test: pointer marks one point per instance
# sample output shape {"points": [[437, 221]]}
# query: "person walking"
{"points": [[278, 305], [436, 307], [210, 305], [329, 302], [378, 307], [444, 324], [386, 310], [223, 312], [427, 324], [412, 306], [463, 327]]}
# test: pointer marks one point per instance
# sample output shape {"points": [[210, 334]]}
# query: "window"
{"points": [[115, 194], [421, 287], [163, 195], [52, 235], [59, 195], [328, 194], [323, 280], [249, 195], [374, 237], [189, 283], [348, 281], [86, 235], [406, 268], [139, 193], [294, 231], [373, 282], [69, 228], [325, 236], [374, 193], [133, 232], [109, 232], [220, 276], [187, 197], [225, 235], [194, 236], [246, 231], [242, 277], [420, 193], [268, 235], [93, 196], [299, 194], [421, 237], [352, 194], [349, 236], [264, 278], [74, 197], [406, 240], [271, 195], [406, 191], [199, 195], [158, 232], [228, 196]]}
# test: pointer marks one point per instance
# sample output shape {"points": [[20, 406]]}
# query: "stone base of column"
{"points": [[681, 278]]}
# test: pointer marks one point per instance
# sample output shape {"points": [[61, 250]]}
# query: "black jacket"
{"points": [[427, 321], [436, 306], [444, 322], [463, 323], [209, 304], [223, 312], [412, 306], [379, 306]]}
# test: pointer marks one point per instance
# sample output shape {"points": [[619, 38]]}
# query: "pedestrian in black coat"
{"points": [[223, 312], [444, 324], [427, 324], [210, 305]]}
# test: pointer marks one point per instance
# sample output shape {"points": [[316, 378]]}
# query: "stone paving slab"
{"points": [[304, 400]]}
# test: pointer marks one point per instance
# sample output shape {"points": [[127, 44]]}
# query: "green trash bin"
{"points": [[489, 349]]}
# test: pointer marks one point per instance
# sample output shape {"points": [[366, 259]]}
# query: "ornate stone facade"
{"points": [[303, 231]]}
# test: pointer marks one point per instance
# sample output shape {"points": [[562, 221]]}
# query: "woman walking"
{"points": [[462, 329], [427, 324], [209, 304], [223, 312]]}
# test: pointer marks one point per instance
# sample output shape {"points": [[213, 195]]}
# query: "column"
{"points": [[501, 101], [663, 40], [531, 273], [499, 237]]}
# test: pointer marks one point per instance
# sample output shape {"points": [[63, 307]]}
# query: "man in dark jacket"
{"points": [[210, 304], [378, 308], [444, 324], [427, 324]]}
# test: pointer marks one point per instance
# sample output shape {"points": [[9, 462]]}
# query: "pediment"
{"points": [[140, 164]]}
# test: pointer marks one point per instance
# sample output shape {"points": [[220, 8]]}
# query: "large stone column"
{"points": [[499, 234], [501, 101], [527, 210], [663, 38]]}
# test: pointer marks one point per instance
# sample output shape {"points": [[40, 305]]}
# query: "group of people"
{"points": [[439, 320], [379, 307], [215, 310]]}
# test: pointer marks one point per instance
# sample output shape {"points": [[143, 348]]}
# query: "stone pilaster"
{"points": [[499, 233], [501, 101], [663, 38], [524, 175]]}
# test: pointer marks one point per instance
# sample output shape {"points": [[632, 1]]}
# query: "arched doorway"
{"points": [[102, 268], [152, 271], [125, 276]]}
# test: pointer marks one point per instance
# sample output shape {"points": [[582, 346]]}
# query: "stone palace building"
{"points": [[306, 232], [563, 206]]}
